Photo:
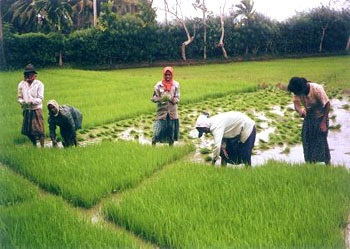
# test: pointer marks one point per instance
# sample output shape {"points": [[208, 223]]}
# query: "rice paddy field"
{"points": [[112, 193]]}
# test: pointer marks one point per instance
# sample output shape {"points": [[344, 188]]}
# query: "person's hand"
{"points": [[323, 127], [303, 113]]}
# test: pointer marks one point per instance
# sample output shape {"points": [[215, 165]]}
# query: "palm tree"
{"points": [[245, 10], [58, 13], [82, 13], [25, 14]]}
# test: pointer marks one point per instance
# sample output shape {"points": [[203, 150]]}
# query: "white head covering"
{"points": [[203, 121], [54, 104]]}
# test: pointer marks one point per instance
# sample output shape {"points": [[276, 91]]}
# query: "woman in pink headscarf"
{"points": [[166, 94]]}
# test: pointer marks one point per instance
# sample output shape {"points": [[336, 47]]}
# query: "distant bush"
{"points": [[37, 48]]}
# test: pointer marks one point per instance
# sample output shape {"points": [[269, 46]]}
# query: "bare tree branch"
{"points": [[181, 20], [221, 42]]}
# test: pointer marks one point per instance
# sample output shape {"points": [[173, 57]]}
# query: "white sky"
{"points": [[276, 9]]}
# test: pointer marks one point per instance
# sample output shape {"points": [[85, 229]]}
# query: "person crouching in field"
{"points": [[166, 94], [234, 136], [68, 118], [315, 113], [30, 96]]}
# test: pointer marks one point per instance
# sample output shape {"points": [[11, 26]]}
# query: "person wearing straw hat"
{"points": [[30, 96], [167, 95], [68, 118], [234, 136]]}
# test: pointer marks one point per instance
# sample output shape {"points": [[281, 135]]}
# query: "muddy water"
{"points": [[338, 140]]}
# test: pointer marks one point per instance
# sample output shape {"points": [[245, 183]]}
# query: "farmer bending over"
{"points": [[315, 113], [233, 129], [69, 120]]}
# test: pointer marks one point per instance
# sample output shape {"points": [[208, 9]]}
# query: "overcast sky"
{"points": [[276, 9]]}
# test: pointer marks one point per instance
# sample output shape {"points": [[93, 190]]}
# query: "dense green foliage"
{"points": [[130, 39], [14, 189], [50, 223], [84, 175], [274, 206]]}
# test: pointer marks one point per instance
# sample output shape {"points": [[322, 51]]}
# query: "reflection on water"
{"points": [[339, 142]]}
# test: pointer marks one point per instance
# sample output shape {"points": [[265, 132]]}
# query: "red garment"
{"points": [[168, 85]]}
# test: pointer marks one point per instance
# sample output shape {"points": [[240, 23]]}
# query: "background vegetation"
{"points": [[65, 28]]}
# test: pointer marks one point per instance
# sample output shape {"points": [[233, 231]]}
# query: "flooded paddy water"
{"points": [[278, 127]]}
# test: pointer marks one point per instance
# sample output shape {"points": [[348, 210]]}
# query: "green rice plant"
{"points": [[335, 127], [286, 150], [204, 151], [50, 223], [91, 135], [14, 189], [333, 117], [84, 175], [346, 106], [273, 206], [208, 159]]}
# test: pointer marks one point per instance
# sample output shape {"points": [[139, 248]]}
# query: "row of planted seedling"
{"points": [[270, 108]]}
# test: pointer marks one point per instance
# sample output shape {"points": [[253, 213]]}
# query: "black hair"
{"points": [[297, 85]]}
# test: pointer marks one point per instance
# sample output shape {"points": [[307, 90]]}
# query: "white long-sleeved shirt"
{"points": [[230, 125], [31, 96]]}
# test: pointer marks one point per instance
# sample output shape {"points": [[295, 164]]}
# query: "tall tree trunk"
{"points": [[60, 59], [165, 13], [186, 43], [2, 52], [322, 38], [95, 12], [347, 48], [205, 32], [221, 42]]}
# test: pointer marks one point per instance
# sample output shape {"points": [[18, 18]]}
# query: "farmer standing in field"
{"points": [[30, 96], [315, 113], [68, 118], [234, 136], [166, 94]]}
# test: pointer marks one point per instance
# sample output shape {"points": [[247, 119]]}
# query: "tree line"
{"points": [[48, 32]]}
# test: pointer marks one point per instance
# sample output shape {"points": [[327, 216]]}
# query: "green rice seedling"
{"points": [[333, 117], [80, 139], [77, 173], [105, 127], [91, 135], [14, 189], [204, 151], [208, 159], [50, 223], [335, 127], [346, 106], [286, 150], [273, 206]]}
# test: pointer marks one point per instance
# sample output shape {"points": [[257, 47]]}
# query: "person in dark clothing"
{"points": [[315, 113], [68, 118]]}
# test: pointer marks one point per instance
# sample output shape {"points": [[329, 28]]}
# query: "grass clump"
{"points": [[50, 223], [83, 175], [14, 189], [274, 206], [204, 151]]}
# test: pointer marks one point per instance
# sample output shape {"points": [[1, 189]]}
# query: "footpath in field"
{"points": [[278, 126]]}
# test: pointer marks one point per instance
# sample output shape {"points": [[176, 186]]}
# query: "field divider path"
{"points": [[93, 214]]}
